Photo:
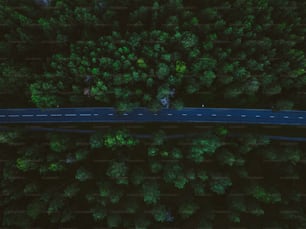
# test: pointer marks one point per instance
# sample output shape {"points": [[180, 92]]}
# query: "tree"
{"points": [[162, 71], [35, 208], [187, 209], [225, 157], [259, 193], [96, 141], [201, 147], [219, 185], [8, 137], [71, 190], [44, 95], [155, 166], [284, 105], [98, 213], [83, 174], [151, 192], [119, 139], [25, 164], [58, 143], [159, 213], [118, 171]]}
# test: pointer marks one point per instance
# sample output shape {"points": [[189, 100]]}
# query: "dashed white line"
{"points": [[70, 114], [214, 115], [228, 115], [257, 116], [155, 114], [140, 114], [125, 114], [55, 115], [13, 116], [2, 116], [96, 114], [199, 114], [110, 114], [243, 116], [85, 114], [286, 117], [184, 114], [41, 115], [271, 116], [301, 118], [170, 114]]}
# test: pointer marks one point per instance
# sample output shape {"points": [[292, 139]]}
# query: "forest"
{"points": [[132, 53]]}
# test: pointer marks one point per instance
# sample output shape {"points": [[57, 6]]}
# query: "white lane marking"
{"points": [[56, 115], [41, 115], [85, 114], [257, 116], [184, 114], [140, 114], [271, 116], [170, 114], [2, 116], [243, 116], [155, 114], [70, 114], [110, 114], [199, 114], [301, 118], [13, 116], [96, 114], [286, 117], [125, 114], [214, 115], [228, 115]]}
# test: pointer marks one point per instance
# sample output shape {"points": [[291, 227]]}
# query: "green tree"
{"points": [[219, 185], [71, 190], [187, 209], [259, 193], [35, 209], [202, 147], [83, 174], [118, 171], [58, 143], [159, 213], [151, 192]]}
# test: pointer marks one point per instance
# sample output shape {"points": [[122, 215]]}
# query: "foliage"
{"points": [[224, 54], [82, 174], [202, 147], [118, 140], [159, 213], [8, 137], [219, 185], [118, 170], [151, 192], [187, 209]]}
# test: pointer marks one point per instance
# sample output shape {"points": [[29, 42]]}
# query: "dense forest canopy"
{"points": [[130, 53], [223, 53]]}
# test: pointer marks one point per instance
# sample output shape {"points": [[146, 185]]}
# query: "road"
{"points": [[143, 115]]}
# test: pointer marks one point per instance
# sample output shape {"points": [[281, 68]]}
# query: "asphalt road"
{"points": [[143, 115]]}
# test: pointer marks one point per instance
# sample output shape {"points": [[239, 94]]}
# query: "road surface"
{"points": [[143, 115]]}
